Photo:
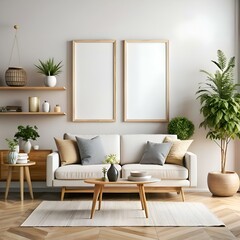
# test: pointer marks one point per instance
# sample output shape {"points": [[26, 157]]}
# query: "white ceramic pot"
{"points": [[50, 81], [27, 147], [12, 157], [46, 106]]}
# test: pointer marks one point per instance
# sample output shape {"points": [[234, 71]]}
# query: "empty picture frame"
{"points": [[146, 81], [94, 80]]}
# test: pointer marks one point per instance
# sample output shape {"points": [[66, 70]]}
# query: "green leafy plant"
{"points": [[182, 127], [12, 143], [111, 158], [220, 105], [49, 67], [27, 133]]}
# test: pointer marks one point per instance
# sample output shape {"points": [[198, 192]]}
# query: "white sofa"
{"points": [[129, 149]]}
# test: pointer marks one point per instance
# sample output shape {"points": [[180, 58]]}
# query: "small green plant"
{"points": [[104, 171], [49, 67], [111, 158], [12, 143], [182, 127], [27, 133]]}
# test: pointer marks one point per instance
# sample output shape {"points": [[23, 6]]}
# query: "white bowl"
{"points": [[138, 173]]}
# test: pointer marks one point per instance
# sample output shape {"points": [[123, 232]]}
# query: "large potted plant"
{"points": [[220, 107], [50, 69], [25, 134]]}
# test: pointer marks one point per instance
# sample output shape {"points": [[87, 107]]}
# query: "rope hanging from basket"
{"points": [[15, 41]]}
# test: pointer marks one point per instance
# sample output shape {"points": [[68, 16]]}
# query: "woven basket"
{"points": [[15, 77]]}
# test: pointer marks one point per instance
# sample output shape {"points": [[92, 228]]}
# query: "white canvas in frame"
{"points": [[94, 80], [146, 81]]}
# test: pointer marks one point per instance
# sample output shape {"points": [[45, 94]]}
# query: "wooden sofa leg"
{"points": [[62, 193], [182, 194]]}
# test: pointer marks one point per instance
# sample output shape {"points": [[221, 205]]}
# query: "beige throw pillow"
{"points": [[177, 151], [68, 151]]}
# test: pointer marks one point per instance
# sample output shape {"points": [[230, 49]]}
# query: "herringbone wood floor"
{"points": [[13, 213]]}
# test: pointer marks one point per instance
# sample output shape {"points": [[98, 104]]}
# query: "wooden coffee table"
{"points": [[99, 185]]}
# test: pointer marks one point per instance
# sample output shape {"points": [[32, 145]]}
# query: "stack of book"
{"points": [[22, 158], [13, 108]]}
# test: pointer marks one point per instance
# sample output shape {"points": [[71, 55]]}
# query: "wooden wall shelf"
{"points": [[34, 113], [33, 88]]}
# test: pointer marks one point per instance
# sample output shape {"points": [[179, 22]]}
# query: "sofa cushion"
{"points": [[132, 145], [68, 151], [110, 142], [75, 172], [166, 171], [91, 150], [155, 153], [177, 151]]}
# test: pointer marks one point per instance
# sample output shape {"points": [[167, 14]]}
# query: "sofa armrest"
{"points": [[191, 165], [53, 162]]}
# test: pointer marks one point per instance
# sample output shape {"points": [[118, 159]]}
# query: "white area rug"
{"points": [[121, 213]]}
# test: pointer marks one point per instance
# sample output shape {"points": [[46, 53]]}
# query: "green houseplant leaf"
{"points": [[220, 105], [182, 127], [27, 133], [49, 67]]}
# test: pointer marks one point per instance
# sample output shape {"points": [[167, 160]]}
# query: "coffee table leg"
{"points": [[100, 198], [144, 199], [97, 189], [141, 197], [8, 181]]}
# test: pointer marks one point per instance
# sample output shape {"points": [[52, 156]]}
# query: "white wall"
{"points": [[195, 30]]}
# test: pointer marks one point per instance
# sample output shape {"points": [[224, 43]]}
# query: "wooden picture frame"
{"points": [[146, 81], [94, 80]]}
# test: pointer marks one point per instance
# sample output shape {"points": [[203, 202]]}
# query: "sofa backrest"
{"points": [[111, 142], [132, 145]]}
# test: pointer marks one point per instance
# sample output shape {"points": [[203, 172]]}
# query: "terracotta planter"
{"points": [[223, 184]]}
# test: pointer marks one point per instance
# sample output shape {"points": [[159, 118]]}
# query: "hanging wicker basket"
{"points": [[16, 77]]}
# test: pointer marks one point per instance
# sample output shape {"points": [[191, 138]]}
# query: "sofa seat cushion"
{"points": [[166, 171], [75, 171]]}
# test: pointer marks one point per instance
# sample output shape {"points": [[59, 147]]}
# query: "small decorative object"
{"points": [[112, 172], [50, 69], [34, 103], [219, 98], [36, 147], [104, 171], [25, 134], [15, 76], [57, 108], [14, 149], [182, 127], [22, 158], [46, 106]]}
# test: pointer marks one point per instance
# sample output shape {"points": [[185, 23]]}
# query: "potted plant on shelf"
{"points": [[13, 154], [112, 172], [25, 134], [50, 69], [220, 107], [182, 127]]}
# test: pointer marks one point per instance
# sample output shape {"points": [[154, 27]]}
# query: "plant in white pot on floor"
{"points": [[220, 107], [14, 149], [50, 69], [25, 134]]}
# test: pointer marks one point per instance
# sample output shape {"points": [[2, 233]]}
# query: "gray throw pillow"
{"points": [[155, 153], [91, 150]]}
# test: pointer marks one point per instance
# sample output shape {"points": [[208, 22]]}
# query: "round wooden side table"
{"points": [[24, 170]]}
